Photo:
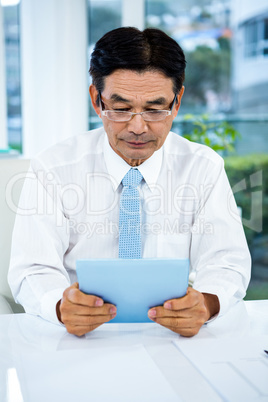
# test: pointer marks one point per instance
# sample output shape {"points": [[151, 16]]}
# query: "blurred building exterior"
{"points": [[250, 56]]}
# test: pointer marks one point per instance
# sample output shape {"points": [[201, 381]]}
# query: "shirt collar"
{"points": [[117, 167]]}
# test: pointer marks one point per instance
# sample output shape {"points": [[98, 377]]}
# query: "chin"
{"points": [[140, 156], [139, 153]]}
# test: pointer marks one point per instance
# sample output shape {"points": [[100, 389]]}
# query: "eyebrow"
{"points": [[158, 101], [118, 98]]}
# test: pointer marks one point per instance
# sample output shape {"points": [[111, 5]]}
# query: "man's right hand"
{"points": [[81, 313]]}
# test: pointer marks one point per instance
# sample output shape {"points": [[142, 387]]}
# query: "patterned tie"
{"points": [[129, 217]]}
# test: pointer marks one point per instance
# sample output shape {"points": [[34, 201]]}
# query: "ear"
{"points": [[178, 103], [94, 96]]}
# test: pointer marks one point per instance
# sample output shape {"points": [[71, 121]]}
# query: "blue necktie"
{"points": [[129, 216]]}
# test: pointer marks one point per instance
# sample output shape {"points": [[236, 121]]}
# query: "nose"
{"points": [[137, 125]]}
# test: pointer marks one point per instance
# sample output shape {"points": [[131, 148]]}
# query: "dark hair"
{"points": [[132, 49]]}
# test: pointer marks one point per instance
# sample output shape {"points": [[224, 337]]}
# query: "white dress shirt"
{"points": [[69, 209]]}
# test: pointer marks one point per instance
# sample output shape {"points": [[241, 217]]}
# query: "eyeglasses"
{"points": [[150, 115]]}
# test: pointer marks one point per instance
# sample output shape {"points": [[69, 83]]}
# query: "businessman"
{"points": [[71, 203]]}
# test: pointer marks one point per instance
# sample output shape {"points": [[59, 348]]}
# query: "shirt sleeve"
{"points": [[219, 253], [37, 276]]}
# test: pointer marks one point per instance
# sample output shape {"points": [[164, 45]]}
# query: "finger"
{"points": [[179, 322], [191, 299], [87, 320], [80, 315], [77, 309], [183, 327], [80, 330], [187, 332], [170, 320], [195, 316], [163, 312], [74, 295]]}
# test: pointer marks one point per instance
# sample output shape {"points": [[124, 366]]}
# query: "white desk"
{"points": [[40, 361]]}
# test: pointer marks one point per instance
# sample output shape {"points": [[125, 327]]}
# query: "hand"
{"points": [[187, 314], [82, 313]]}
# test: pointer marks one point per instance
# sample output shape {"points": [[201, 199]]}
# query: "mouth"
{"points": [[136, 144]]}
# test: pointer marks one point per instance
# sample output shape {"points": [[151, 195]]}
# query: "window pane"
{"points": [[265, 29], [103, 16], [13, 82], [251, 39], [265, 37], [237, 96], [202, 29]]}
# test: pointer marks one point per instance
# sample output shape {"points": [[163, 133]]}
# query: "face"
{"points": [[136, 140]]}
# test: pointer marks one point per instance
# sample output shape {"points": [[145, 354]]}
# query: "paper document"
{"points": [[236, 368], [95, 374]]}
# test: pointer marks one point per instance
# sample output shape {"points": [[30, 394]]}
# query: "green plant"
{"points": [[218, 135], [240, 168], [221, 136]]}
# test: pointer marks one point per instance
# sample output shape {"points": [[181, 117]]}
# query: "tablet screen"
{"points": [[133, 285]]}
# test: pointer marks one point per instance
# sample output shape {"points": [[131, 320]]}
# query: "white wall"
{"points": [[133, 13], [243, 10], [54, 71]]}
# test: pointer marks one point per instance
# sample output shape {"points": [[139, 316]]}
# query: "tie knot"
{"points": [[132, 178]]}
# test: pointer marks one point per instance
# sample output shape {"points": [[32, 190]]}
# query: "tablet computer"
{"points": [[133, 285]]}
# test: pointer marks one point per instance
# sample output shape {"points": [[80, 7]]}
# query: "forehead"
{"points": [[134, 85]]}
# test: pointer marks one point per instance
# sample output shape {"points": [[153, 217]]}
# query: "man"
{"points": [[69, 206]]}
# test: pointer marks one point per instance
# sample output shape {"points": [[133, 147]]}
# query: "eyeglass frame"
{"points": [[132, 114]]}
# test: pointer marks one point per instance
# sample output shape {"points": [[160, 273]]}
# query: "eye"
{"points": [[121, 110], [156, 111]]}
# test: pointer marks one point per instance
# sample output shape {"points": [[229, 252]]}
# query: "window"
{"points": [[237, 96], [13, 80], [256, 37], [251, 39], [202, 28], [265, 47], [103, 16]]}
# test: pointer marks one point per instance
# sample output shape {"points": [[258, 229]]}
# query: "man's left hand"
{"points": [[187, 314]]}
